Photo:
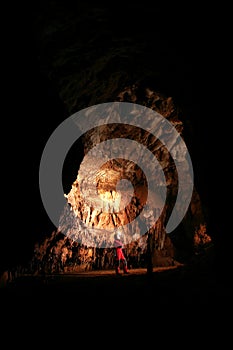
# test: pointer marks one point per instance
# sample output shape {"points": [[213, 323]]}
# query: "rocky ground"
{"points": [[181, 285]]}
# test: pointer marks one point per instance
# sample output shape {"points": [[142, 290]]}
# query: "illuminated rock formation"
{"points": [[117, 193]]}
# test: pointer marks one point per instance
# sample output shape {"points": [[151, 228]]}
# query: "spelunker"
{"points": [[120, 260]]}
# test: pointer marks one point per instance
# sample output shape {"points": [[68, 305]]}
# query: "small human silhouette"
{"points": [[120, 259]]}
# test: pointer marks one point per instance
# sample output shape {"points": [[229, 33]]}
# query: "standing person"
{"points": [[120, 259]]}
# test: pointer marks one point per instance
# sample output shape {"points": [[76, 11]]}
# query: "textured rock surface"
{"points": [[90, 66], [102, 205]]}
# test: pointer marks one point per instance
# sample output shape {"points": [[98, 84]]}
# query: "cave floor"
{"points": [[170, 285]]}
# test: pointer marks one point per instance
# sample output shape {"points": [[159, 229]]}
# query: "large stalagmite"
{"points": [[111, 193]]}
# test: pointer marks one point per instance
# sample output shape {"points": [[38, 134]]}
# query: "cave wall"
{"points": [[67, 68]]}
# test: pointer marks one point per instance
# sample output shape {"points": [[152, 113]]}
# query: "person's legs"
{"points": [[125, 267], [117, 267]]}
